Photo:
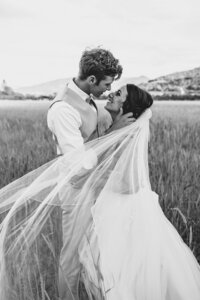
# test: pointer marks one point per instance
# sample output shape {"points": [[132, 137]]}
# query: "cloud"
{"points": [[46, 38], [9, 10]]}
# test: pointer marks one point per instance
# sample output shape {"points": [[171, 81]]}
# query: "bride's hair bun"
{"points": [[137, 100]]}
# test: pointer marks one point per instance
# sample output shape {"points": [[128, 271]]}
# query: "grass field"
{"points": [[174, 156]]}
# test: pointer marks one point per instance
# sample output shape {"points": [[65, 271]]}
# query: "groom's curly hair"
{"points": [[100, 63]]}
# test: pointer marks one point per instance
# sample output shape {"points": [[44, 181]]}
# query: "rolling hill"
{"points": [[179, 83], [54, 86]]}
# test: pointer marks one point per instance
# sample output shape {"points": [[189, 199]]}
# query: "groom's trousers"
{"points": [[69, 271]]}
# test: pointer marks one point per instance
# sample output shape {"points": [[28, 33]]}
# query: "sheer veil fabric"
{"points": [[127, 247]]}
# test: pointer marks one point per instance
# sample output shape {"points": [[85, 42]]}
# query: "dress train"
{"points": [[137, 251]]}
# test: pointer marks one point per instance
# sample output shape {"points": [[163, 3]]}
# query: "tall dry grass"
{"points": [[174, 160], [25, 141]]}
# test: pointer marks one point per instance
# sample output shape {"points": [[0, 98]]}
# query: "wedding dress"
{"points": [[127, 247]]}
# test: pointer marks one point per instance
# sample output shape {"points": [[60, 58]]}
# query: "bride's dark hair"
{"points": [[137, 100]]}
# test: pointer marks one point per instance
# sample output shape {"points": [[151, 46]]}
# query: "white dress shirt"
{"points": [[64, 121]]}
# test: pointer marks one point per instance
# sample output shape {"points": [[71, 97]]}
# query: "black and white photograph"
{"points": [[99, 150]]}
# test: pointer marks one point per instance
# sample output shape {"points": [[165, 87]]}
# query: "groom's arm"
{"points": [[64, 122]]}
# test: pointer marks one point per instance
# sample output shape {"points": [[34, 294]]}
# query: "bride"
{"points": [[127, 247]]}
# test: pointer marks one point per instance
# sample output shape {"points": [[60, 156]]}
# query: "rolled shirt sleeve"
{"points": [[65, 122]]}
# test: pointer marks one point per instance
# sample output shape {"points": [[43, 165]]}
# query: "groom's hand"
{"points": [[122, 121]]}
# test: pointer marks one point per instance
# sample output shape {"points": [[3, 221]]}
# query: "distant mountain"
{"points": [[54, 86], [45, 88], [180, 83], [194, 73]]}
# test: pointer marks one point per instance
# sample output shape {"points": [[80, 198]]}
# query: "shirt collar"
{"points": [[72, 85]]}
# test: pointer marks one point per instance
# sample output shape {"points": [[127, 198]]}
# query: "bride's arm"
{"points": [[121, 121]]}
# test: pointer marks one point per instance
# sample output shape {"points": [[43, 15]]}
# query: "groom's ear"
{"points": [[92, 79]]}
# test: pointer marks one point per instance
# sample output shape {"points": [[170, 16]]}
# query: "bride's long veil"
{"points": [[31, 207], [31, 232]]}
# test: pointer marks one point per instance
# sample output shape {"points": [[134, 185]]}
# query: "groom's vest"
{"points": [[88, 113]]}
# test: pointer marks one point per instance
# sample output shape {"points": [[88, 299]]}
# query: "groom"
{"points": [[72, 118]]}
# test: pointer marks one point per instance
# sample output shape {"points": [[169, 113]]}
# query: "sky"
{"points": [[42, 40]]}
